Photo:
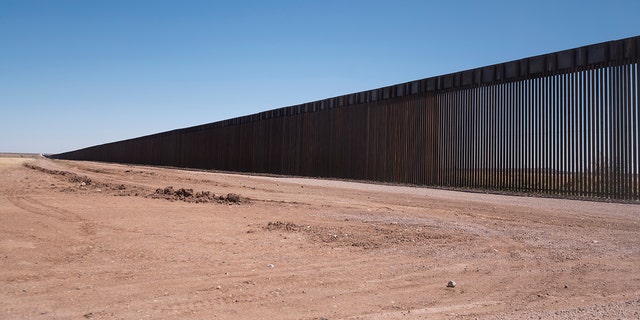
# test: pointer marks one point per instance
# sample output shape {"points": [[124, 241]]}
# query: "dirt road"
{"points": [[82, 240]]}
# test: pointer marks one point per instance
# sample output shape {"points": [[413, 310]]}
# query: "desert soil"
{"points": [[83, 240]]}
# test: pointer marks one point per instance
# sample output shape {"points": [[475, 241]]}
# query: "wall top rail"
{"points": [[610, 53], [614, 52]]}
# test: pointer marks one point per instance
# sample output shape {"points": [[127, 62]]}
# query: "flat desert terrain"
{"points": [[83, 240]]}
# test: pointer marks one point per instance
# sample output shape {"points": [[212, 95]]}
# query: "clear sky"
{"points": [[79, 73]]}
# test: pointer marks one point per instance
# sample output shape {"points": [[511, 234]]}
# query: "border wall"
{"points": [[563, 124]]}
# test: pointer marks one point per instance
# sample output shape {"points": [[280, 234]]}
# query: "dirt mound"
{"points": [[75, 178], [188, 195], [287, 226], [82, 183]]}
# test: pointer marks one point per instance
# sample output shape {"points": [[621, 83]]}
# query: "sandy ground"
{"points": [[81, 240]]}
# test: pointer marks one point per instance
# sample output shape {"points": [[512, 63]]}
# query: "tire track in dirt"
{"points": [[37, 207], [84, 226]]}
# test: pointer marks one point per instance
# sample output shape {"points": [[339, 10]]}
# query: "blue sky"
{"points": [[79, 73]]}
